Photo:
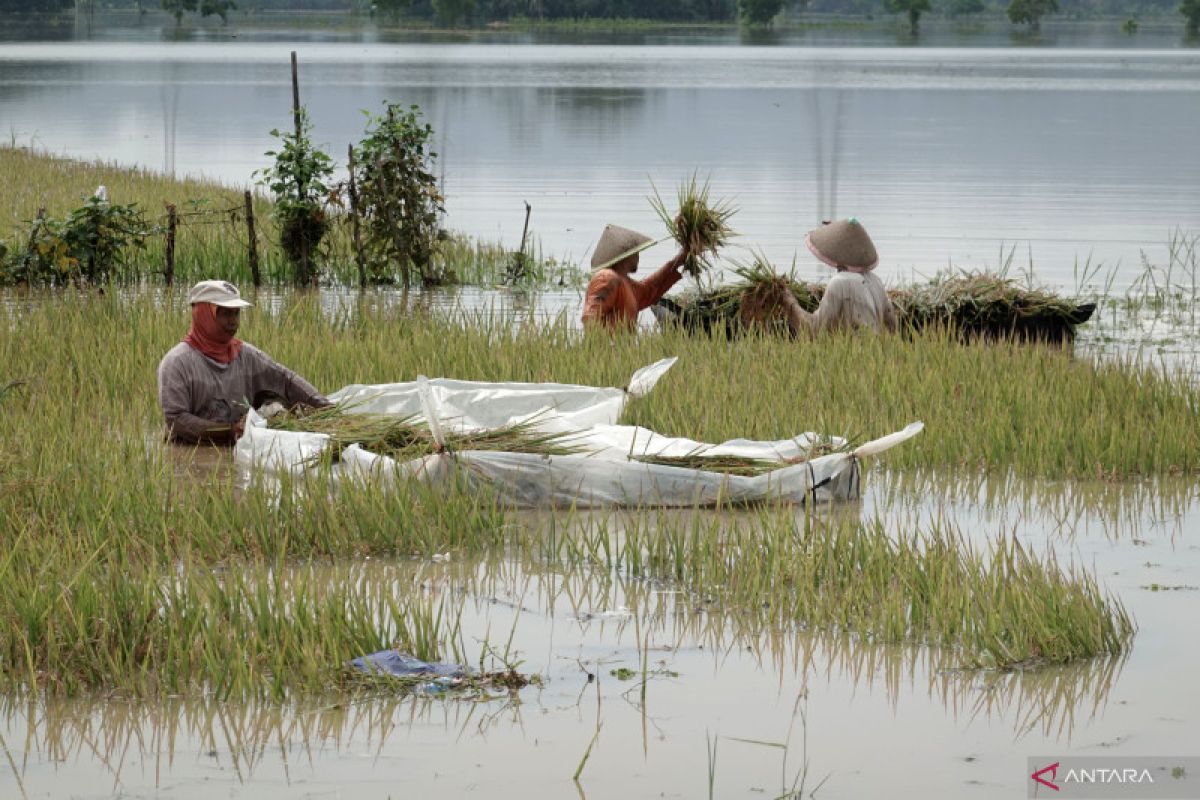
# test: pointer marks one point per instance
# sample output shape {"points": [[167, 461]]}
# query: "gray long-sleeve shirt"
{"points": [[197, 394]]}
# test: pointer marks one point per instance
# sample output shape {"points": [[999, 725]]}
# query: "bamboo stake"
{"points": [[172, 224], [252, 245]]}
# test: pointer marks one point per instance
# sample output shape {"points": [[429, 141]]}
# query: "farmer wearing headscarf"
{"points": [[208, 381], [613, 298], [854, 297]]}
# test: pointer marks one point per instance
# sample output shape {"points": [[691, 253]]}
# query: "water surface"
{"points": [[1045, 158]]}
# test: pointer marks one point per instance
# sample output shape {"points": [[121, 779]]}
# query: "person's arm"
{"points": [[174, 397], [269, 375], [649, 291], [799, 321], [831, 311]]}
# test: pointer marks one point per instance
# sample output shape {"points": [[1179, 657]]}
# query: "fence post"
{"points": [[359, 256], [253, 242], [172, 224], [295, 95]]}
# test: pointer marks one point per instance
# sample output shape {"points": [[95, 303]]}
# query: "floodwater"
{"points": [[1069, 151], [1071, 147], [758, 710]]}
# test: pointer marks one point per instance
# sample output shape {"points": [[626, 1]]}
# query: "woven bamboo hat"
{"points": [[844, 244], [617, 243]]}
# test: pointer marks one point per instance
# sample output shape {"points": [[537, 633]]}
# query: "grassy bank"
{"points": [[212, 237], [122, 571]]}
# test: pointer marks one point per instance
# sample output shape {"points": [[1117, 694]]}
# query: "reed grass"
{"points": [[121, 570]]}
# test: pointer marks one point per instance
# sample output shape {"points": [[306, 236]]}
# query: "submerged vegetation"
{"points": [[165, 582]]}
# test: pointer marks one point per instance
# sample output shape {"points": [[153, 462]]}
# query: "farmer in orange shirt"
{"points": [[613, 298]]}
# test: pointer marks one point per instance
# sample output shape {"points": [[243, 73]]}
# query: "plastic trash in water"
{"points": [[393, 663]]}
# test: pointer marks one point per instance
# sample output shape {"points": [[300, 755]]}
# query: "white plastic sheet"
{"points": [[476, 405], [602, 475]]}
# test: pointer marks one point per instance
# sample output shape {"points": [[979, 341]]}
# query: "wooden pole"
{"points": [[306, 276], [359, 256], [172, 224], [252, 242], [524, 232], [295, 95]]}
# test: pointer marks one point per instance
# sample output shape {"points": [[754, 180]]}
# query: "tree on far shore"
{"points": [[451, 12], [1030, 12], [914, 9], [758, 13], [1191, 10], [177, 8]]}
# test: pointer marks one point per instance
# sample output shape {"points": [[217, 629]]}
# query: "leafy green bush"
{"points": [[88, 246], [398, 198], [298, 180]]}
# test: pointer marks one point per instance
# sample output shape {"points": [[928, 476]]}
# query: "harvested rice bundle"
{"points": [[699, 225], [736, 465], [407, 438], [985, 302], [754, 301]]}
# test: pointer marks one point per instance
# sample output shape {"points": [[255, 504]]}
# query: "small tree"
{"points": [[220, 8], [398, 196], [1191, 10], [914, 9], [177, 8], [1031, 11], [758, 13], [298, 180], [451, 12]]}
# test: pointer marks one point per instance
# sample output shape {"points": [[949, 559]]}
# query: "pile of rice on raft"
{"points": [[975, 305], [543, 445]]}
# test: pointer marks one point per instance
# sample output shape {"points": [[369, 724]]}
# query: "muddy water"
{"points": [[749, 709]]}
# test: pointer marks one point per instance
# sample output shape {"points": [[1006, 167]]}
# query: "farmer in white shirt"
{"points": [[854, 297]]}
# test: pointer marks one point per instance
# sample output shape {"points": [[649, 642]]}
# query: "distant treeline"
{"points": [[481, 12]]}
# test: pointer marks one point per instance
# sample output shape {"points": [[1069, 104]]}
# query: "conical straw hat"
{"points": [[844, 243], [617, 243]]}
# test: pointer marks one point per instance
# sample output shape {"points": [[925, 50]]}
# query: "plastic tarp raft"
{"points": [[605, 471]]}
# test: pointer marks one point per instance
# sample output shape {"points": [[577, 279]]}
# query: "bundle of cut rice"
{"points": [[700, 226], [971, 303], [407, 438]]}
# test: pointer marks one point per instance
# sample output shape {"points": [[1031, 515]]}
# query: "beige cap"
{"points": [[617, 243], [219, 293], [844, 243]]}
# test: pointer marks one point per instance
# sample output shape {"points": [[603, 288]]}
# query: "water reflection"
{"points": [[1160, 509]]}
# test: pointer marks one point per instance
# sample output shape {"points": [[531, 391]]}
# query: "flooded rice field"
{"points": [[645, 691], [1061, 158]]}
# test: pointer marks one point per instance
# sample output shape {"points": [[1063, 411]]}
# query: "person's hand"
{"points": [[238, 429], [680, 258]]}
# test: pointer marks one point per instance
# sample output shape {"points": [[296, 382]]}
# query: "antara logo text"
{"points": [[1046, 776]]}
